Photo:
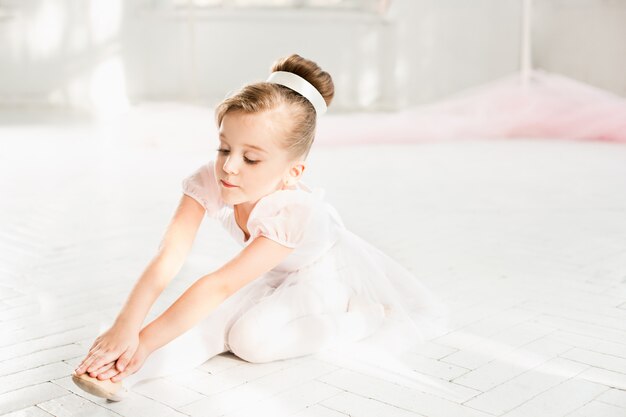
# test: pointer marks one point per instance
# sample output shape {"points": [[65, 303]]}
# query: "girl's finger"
{"points": [[94, 363], [123, 360], [130, 369], [108, 374], [93, 349], [79, 368], [99, 362], [102, 369], [85, 359], [85, 363]]}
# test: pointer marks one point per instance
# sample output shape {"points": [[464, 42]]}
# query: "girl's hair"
{"points": [[299, 114]]}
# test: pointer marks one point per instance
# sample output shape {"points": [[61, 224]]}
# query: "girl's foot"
{"points": [[362, 319], [387, 310], [105, 388], [363, 304]]}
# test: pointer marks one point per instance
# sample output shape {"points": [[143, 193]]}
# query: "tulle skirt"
{"points": [[415, 313], [353, 266]]}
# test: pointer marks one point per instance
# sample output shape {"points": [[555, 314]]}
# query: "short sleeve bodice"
{"points": [[202, 186], [298, 218], [290, 217]]}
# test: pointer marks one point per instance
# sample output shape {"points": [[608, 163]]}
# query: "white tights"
{"points": [[293, 322]]}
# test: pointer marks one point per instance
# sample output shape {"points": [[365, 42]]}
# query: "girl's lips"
{"points": [[225, 184]]}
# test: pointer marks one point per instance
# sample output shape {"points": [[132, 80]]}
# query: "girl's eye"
{"points": [[248, 161]]}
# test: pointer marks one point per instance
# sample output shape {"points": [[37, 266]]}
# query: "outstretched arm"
{"points": [[117, 345], [207, 293]]}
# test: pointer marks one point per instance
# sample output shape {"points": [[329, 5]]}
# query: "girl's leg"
{"points": [[200, 343], [299, 321], [187, 351]]}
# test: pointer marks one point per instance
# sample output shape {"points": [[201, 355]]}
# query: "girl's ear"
{"points": [[294, 173], [297, 169]]}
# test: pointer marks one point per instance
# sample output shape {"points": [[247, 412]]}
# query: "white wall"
{"points": [[168, 56], [448, 45], [583, 39], [78, 52]]}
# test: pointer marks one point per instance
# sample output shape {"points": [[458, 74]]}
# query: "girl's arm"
{"points": [[120, 341], [208, 292]]}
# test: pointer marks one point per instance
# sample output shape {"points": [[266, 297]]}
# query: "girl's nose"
{"points": [[230, 166]]}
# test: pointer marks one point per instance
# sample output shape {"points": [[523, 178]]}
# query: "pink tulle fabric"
{"points": [[547, 106]]}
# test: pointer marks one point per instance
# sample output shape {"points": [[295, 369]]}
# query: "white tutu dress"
{"points": [[327, 261]]}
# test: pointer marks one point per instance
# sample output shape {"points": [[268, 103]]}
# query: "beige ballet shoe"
{"points": [[105, 388]]}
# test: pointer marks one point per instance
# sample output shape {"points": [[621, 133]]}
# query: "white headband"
{"points": [[300, 85]]}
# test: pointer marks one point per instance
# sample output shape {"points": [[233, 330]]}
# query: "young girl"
{"points": [[302, 282]]}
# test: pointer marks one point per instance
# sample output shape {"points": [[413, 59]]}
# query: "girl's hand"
{"points": [[115, 346], [105, 372], [136, 362]]}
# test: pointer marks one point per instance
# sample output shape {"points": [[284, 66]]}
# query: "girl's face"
{"points": [[249, 157]]}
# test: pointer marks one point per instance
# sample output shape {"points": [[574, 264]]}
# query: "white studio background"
{"points": [[105, 54]]}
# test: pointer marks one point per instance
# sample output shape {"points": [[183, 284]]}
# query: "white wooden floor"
{"points": [[524, 239]]}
